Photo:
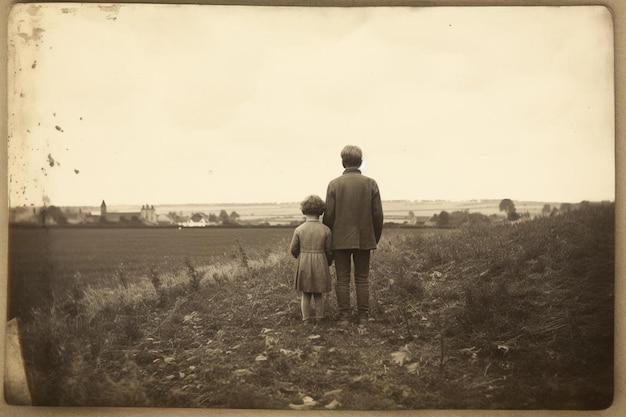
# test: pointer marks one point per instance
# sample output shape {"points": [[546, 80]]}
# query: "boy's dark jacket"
{"points": [[354, 211]]}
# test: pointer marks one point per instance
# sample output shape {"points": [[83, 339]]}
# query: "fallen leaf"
{"points": [[242, 372], [270, 341], [332, 405], [190, 317], [400, 356], [260, 358], [307, 404], [169, 359], [290, 353], [314, 336], [358, 378], [504, 348], [333, 392], [413, 368]]}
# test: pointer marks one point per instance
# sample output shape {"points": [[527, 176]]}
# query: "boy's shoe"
{"points": [[309, 322], [363, 318], [342, 320]]}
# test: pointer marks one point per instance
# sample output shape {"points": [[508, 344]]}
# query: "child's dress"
{"points": [[311, 245]]}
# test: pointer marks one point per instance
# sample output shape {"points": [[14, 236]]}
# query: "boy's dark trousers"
{"points": [[343, 266]]}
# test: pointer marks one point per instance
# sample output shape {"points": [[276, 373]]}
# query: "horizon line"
{"points": [[298, 202]]}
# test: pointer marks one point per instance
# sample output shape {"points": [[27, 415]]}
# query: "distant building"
{"points": [[146, 216], [74, 217], [196, 220]]}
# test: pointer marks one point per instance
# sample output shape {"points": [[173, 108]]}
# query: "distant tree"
{"points": [[443, 219], [54, 214], [458, 218], [411, 217], [585, 205], [566, 208], [213, 218], [477, 218], [224, 218], [554, 212], [233, 217], [508, 207], [172, 216], [545, 211]]}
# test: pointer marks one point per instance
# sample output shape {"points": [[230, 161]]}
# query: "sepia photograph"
{"points": [[239, 207]]}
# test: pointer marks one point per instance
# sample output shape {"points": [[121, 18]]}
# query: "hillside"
{"points": [[510, 316]]}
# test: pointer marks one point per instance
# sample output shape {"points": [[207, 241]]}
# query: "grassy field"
{"points": [[515, 316], [43, 261]]}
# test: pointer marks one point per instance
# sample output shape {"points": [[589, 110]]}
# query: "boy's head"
{"points": [[351, 156], [313, 206]]}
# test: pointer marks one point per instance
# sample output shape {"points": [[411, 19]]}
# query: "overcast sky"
{"points": [[213, 104]]}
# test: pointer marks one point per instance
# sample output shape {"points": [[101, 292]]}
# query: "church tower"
{"points": [[103, 209]]}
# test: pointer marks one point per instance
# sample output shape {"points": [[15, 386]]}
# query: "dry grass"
{"points": [[511, 316]]}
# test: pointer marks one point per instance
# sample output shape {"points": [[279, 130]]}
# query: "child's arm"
{"points": [[295, 244], [327, 248]]}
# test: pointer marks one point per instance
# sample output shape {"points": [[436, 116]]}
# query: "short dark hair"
{"points": [[351, 156], [313, 205]]}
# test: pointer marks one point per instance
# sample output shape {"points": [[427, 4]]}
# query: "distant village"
{"points": [[146, 216]]}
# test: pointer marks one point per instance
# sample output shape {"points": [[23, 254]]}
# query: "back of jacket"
{"points": [[354, 211]]}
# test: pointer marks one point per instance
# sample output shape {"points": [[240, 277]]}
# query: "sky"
{"points": [[173, 104]]}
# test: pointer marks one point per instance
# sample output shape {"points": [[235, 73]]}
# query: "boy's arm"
{"points": [[377, 212], [329, 213], [327, 248]]}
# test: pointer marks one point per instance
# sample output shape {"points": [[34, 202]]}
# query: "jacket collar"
{"points": [[352, 171]]}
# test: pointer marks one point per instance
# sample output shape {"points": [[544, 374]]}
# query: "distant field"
{"points": [[44, 260], [397, 211], [392, 209]]}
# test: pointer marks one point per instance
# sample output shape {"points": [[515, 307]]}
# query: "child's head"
{"points": [[313, 206]]}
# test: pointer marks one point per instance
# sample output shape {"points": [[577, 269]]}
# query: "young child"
{"points": [[311, 246]]}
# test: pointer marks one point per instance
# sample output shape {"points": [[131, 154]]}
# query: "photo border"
{"points": [[618, 10]]}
